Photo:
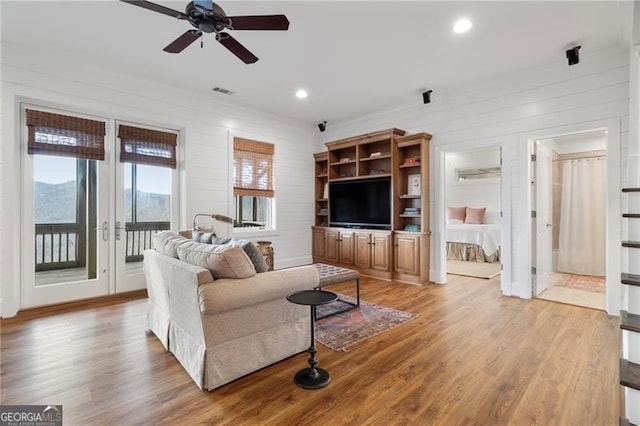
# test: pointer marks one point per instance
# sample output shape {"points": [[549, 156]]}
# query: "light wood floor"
{"points": [[471, 357]]}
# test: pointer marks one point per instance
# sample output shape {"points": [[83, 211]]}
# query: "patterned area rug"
{"points": [[582, 282], [343, 330]]}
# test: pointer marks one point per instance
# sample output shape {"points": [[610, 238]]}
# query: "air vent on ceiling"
{"points": [[223, 91]]}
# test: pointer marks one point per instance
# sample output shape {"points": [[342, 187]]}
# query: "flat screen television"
{"points": [[362, 203]]}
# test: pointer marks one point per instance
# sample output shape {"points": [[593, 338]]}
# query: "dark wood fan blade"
{"points": [[181, 43], [157, 8], [261, 22], [237, 49]]}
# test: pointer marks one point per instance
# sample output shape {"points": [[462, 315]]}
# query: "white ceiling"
{"points": [[353, 57]]}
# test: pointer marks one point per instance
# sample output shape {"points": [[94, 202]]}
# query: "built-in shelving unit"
{"points": [[387, 153], [630, 371], [411, 184], [321, 188]]}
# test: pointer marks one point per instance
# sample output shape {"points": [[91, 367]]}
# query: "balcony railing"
{"points": [[63, 245], [139, 237], [59, 246]]}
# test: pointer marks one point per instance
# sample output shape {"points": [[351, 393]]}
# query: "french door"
{"points": [[86, 222]]}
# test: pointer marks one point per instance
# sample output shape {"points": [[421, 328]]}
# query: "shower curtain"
{"points": [[582, 217]]}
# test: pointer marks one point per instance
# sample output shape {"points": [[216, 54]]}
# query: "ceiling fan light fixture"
{"points": [[462, 26], [301, 94]]}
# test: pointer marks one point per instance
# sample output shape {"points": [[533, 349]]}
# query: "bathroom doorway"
{"points": [[570, 219]]}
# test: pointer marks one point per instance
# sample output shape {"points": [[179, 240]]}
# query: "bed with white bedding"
{"points": [[473, 242]]}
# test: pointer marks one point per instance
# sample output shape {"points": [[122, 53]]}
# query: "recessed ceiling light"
{"points": [[462, 26], [301, 94]]}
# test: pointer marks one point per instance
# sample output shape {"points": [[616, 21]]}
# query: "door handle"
{"points": [[105, 230], [118, 229], [548, 225]]}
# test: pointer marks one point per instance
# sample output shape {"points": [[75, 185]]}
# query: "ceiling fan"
{"points": [[208, 17]]}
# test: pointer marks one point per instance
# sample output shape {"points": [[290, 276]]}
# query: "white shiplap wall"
{"points": [[506, 111], [207, 125]]}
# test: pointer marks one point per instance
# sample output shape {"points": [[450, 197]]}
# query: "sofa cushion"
{"points": [[223, 261], [167, 243]]}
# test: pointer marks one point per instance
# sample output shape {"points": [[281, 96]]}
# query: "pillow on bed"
{"points": [[475, 216], [456, 214]]}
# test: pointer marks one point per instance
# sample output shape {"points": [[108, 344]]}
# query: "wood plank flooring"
{"points": [[471, 357]]}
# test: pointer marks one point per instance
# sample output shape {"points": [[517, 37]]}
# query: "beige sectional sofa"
{"points": [[219, 318]]}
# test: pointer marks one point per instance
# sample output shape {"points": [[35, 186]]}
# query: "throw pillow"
{"points": [[456, 213], [475, 216], [252, 250], [167, 243], [223, 261], [220, 241], [201, 236]]}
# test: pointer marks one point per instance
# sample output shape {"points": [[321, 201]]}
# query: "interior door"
{"points": [[543, 219]]}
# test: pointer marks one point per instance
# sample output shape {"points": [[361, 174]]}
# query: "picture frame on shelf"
{"points": [[414, 183]]}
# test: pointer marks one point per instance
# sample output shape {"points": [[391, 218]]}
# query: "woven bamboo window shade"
{"points": [[64, 135], [252, 168], [146, 146]]}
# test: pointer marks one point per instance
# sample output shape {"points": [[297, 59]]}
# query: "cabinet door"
{"points": [[332, 241], [347, 248], [407, 259], [363, 249], [380, 251], [319, 244]]}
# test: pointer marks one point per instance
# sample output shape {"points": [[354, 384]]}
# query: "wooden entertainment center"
{"points": [[400, 253]]}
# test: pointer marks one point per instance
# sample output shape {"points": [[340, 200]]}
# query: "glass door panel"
{"points": [[146, 210], [66, 230], [64, 218]]}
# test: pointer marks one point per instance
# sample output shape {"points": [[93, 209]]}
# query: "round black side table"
{"points": [[312, 377]]}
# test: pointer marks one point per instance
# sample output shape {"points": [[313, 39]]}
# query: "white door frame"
{"points": [[438, 273], [613, 214]]}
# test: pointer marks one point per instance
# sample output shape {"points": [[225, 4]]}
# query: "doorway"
{"points": [[472, 212], [569, 222], [95, 191]]}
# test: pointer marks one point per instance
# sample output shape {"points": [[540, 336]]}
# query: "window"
{"points": [[253, 183]]}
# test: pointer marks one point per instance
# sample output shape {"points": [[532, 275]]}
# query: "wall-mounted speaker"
{"points": [[573, 56], [426, 96]]}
